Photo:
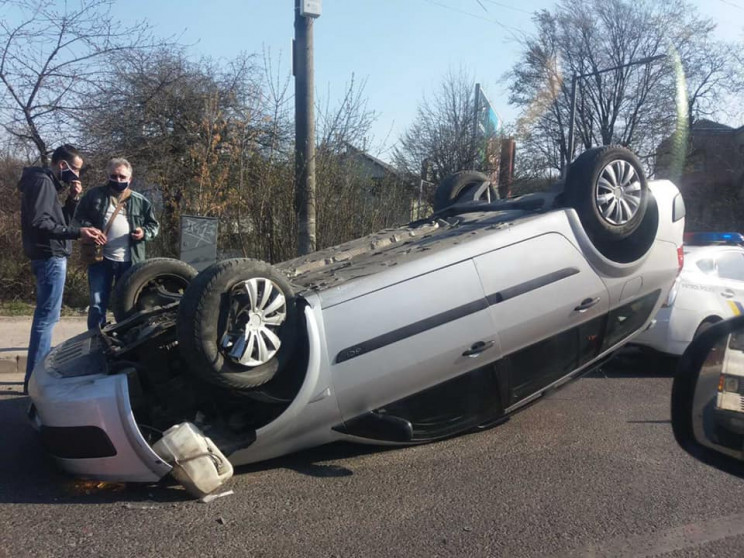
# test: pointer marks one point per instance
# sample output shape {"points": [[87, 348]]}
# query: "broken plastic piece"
{"points": [[209, 497]]}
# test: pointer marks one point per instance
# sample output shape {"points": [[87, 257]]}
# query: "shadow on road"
{"points": [[313, 462], [637, 362]]}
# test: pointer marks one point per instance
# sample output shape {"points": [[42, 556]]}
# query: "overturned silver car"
{"points": [[406, 336]]}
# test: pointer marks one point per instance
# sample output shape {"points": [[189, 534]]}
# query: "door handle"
{"points": [[728, 294], [586, 304], [477, 348]]}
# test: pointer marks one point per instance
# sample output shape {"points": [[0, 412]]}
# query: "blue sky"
{"points": [[402, 48]]}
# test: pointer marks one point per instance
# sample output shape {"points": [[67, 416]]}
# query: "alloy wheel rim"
{"points": [[258, 308], [618, 192]]}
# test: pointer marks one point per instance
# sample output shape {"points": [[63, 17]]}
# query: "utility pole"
{"points": [[302, 57]]}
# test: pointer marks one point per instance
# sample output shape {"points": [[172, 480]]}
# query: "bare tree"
{"points": [[631, 105], [442, 132], [53, 56]]}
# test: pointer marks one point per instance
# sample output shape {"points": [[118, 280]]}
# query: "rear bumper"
{"points": [[663, 336], [86, 423]]}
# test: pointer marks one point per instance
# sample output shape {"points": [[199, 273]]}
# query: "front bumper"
{"points": [[87, 425], [732, 421]]}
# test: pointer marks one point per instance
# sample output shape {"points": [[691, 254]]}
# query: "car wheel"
{"points": [[608, 189], [150, 284], [237, 324], [461, 187]]}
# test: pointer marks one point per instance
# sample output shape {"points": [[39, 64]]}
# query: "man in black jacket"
{"points": [[47, 240]]}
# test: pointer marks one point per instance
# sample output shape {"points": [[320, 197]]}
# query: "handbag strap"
{"points": [[121, 203]]}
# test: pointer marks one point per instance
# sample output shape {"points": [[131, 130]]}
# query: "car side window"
{"points": [[707, 266], [731, 266]]}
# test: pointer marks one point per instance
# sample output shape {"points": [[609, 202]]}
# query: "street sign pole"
{"points": [[572, 115]]}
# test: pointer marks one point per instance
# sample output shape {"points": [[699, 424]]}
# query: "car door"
{"points": [[730, 269], [407, 337], [548, 305]]}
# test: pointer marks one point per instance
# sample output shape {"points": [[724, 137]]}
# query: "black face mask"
{"points": [[68, 175], [117, 186]]}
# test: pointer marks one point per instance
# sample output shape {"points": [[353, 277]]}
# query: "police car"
{"points": [[710, 288]]}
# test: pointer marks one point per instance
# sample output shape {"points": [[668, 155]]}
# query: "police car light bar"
{"points": [[705, 238]]}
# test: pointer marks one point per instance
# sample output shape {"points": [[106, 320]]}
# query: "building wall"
{"points": [[712, 181]]}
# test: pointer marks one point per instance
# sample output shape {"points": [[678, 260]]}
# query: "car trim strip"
{"points": [[451, 315], [410, 330], [531, 285]]}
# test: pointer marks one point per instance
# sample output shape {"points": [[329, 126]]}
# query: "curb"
{"points": [[14, 339], [15, 365]]}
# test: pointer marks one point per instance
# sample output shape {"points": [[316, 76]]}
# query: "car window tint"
{"points": [[629, 318], [731, 266], [707, 265], [540, 364]]}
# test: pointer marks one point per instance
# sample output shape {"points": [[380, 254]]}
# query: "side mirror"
{"points": [[708, 397]]}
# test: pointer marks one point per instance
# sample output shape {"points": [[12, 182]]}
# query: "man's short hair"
{"points": [[118, 162], [65, 152]]}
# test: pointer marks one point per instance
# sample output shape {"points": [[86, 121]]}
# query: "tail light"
{"points": [[680, 258], [672, 294], [675, 288]]}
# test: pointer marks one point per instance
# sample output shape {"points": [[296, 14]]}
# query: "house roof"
{"points": [[388, 167], [705, 125]]}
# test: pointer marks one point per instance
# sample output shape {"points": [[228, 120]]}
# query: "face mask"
{"points": [[117, 186], [68, 175]]}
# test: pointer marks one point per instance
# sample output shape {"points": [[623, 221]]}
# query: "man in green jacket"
{"points": [[127, 233]]}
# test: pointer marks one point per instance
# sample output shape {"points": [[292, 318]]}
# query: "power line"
{"points": [[732, 4], [507, 6], [508, 29]]}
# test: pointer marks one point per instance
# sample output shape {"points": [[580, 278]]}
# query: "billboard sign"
{"points": [[488, 121]]}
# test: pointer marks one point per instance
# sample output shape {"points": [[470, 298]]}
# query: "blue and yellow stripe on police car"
{"points": [[736, 307]]}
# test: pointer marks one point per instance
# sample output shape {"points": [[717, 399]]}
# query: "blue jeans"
{"points": [[50, 285], [102, 276]]}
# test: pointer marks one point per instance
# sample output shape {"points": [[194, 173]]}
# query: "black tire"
{"points": [[150, 284], [461, 187], [213, 314], [610, 207]]}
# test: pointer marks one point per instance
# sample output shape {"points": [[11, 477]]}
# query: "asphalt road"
{"points": [[592, 470]]}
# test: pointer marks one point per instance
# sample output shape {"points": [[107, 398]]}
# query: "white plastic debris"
{"points": [[197, 463], [209, 497]]}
